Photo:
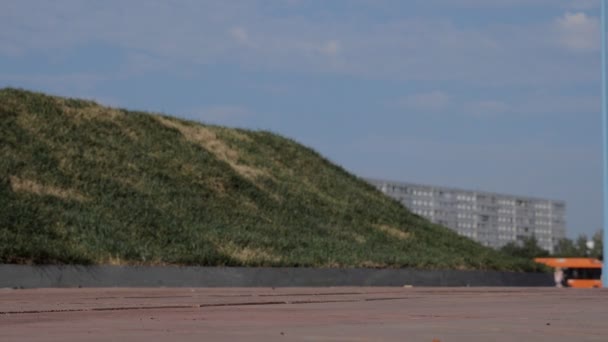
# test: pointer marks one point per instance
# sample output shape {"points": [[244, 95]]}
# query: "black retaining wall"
{"points": [[22, 276]]}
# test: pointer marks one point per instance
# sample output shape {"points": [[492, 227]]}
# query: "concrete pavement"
{"points": [[304, 314]]}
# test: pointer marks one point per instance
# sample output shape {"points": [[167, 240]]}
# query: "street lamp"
{"points": [[605, 141]]}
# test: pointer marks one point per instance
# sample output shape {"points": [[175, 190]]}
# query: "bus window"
{"points": [[583, 273]]}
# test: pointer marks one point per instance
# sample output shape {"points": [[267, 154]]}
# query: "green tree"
{"points": [[526, 248], [598, 247], [568, 248], [581, 245]]}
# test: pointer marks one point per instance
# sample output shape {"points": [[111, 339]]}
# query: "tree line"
{"points": [[567, 248]]}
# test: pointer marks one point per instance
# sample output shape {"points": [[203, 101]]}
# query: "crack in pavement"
{"points": [[191, 306]]}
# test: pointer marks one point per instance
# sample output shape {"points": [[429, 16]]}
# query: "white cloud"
{"points": [[525, 4], [536, 105], [431, 101], [240, 35], [402, 48], [578, 31], [330, 48], [486, 108]]}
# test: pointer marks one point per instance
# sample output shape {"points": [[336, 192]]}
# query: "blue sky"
{"points": [[500, 95]]}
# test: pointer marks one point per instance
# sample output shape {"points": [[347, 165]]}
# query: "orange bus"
{"points": [[575, 272]]}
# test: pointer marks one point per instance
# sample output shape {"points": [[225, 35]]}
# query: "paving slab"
{"points": [[304, 314]]}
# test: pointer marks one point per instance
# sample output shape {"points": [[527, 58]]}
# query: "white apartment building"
{"points": [[489, 218]]}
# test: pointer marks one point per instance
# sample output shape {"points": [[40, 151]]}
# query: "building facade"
{"points": [[489, 218]]}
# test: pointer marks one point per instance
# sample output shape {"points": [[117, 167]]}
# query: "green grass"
{"points": [[81, 183]]}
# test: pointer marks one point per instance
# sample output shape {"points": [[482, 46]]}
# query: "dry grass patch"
{"points": [[113, 260], [372, 264], [12, 105], [96, 112], [116, 260], [28, 123], [331, 264], [131, 133], [134, 183], [92, 111], [217, 185], [360, 239], [233, 134], [251, 205], [33, 187], [247, 255], [207, 139], [392, 231]]}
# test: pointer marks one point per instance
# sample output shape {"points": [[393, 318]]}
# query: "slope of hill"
{"points": [[82, 183]]}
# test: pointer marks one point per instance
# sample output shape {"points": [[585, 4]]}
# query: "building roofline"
{"points": [[487, 193]]}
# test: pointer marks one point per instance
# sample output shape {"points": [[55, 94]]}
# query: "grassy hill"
{"points": [[82, 183]]}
